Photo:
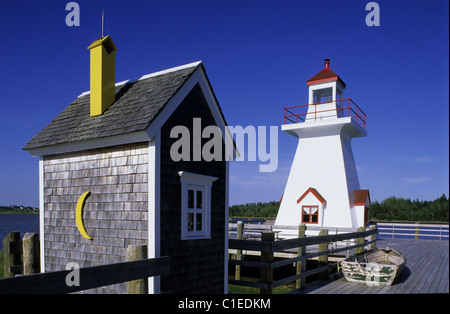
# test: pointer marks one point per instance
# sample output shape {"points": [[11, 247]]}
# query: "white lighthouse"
{"points": [[323, 187]]}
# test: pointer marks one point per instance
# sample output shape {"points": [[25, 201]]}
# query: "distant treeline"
{"points": [[16, 209], [390, 209], [394, 208], [255, 210]]}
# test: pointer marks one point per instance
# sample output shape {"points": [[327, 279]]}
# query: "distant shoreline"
{"points": [[18, 213], [18, 210]]}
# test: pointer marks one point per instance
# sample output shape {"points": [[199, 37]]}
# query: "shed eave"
{"points": [[121, 139]]}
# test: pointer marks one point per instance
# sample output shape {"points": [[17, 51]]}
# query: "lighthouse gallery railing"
{"points": [[344, 108]]}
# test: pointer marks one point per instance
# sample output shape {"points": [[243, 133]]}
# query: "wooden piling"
{"points": [[323, 259], [237, 274], [267, 257], [416, 233], [301, 266], [135, 253], [360, 249], [30, 249], [11, 254], [373, 245]]}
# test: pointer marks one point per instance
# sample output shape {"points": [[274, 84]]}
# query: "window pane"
{"points": [[305, 218], [190, 221], [190, 198], [314, 210], [323, 95], [199, 222], [200, 199], [314, 218]]}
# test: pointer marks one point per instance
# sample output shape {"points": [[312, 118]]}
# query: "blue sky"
{"points": [[258, 56]]}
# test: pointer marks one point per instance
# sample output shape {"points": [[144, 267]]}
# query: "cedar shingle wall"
{"points": [[115, 215], [197, 266]]}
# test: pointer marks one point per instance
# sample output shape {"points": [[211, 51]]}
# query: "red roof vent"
{"points": [[326, 75]]}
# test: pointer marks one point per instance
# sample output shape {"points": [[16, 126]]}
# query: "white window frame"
{"points": [[196, 182]]}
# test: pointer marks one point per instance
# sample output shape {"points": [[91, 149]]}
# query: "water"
{"points": [[21, 223]]}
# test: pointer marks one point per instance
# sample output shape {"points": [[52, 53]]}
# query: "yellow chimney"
{"points": [[102, 75]]}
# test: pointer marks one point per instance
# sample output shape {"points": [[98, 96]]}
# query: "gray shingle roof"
{"points": [[137, 104]]}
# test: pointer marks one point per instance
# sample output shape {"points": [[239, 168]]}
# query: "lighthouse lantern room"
{"points": [[323, 188]]}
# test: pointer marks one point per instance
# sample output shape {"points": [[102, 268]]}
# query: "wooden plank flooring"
{"points": [[426, 271]]}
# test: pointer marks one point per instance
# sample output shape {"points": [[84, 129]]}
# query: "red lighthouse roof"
{"points": [[326, 75]]}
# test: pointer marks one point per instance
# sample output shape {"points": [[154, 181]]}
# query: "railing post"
{"points": [[301, 266], [237, 274], [323, 259], [361, 240], [348, 107], [11, 254], [267, 257], [357, 114], [315, 112], [416, 233], [30, 247], [347, 252], [373, 245], [135, 253]]}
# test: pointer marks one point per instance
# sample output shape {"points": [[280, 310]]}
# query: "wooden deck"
{"points": [[426, 271]]}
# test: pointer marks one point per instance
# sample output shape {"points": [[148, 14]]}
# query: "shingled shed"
{"points": [[120, 152]]}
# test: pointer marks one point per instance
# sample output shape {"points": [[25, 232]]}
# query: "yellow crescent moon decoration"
{"points": [[79, 215]]}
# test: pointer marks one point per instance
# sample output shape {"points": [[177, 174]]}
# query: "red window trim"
{"points": [[315, 193], [316, 214]]}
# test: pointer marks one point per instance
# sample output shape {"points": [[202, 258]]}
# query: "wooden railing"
{"points": [[343, 108], [267, 247], [135, 271], [91, 277], [413, 231], [253, 230]]}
